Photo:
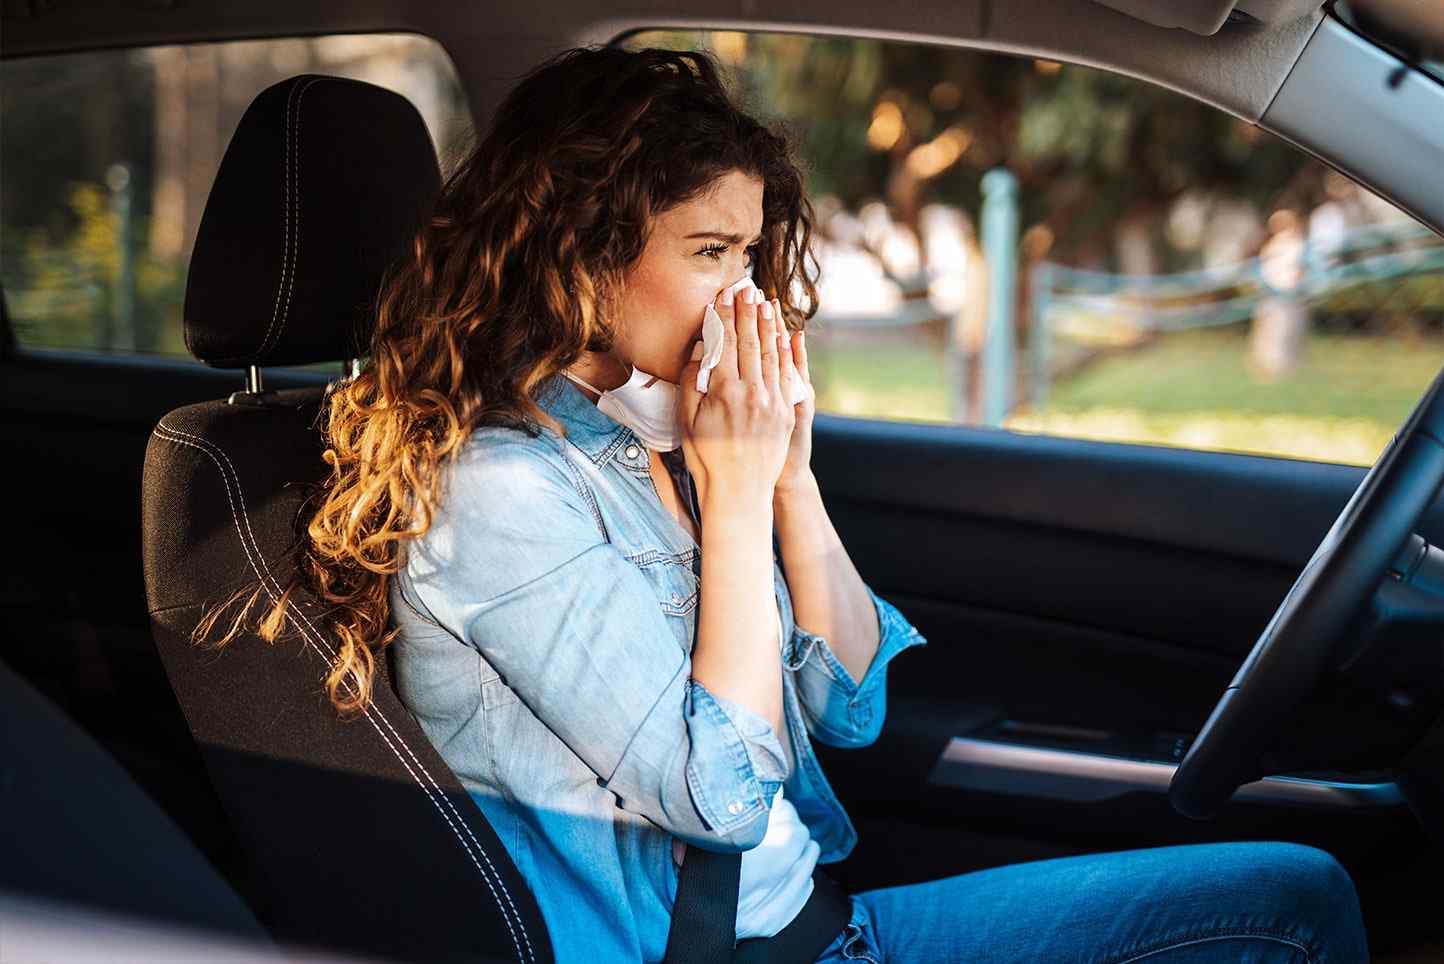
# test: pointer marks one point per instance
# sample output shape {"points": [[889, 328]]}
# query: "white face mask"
{"points": [[648, 405]]}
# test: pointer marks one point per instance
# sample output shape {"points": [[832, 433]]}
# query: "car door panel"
{"points": [[1105, 590]]}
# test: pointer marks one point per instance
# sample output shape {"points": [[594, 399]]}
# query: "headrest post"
{"points": [[252, 394]]}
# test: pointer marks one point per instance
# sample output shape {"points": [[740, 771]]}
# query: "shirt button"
{"points": [[735, 806], [633, 451], [676, 597]]}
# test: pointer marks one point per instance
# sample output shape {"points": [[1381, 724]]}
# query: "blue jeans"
{"points": [[1251, 902]]}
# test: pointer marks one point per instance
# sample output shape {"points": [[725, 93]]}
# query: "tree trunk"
{"points": [[202, 134], [168, 184], [1281, 318], [966, 329]]}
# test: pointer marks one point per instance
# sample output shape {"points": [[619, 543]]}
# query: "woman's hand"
{"points": [[796, 475], [736, 438]]}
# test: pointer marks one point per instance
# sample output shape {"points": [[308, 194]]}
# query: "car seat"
{"points": [[358, 836]]}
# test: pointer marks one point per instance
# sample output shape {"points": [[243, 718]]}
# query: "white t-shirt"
{"points": [[776, 877]]}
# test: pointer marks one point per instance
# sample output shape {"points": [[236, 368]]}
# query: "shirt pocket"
{"points": [[495, 693], [672, 579]]}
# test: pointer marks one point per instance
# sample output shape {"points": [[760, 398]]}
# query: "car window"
{"points": [[108, 158], [1048, 248]]}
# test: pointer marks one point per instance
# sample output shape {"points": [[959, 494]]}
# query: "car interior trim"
{"points": [[1330, 106], [975, 764], [1260, 55]]}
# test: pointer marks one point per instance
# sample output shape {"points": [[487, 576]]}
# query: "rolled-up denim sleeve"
{"points": [[576, 631], [839, 710], [720, 728]]}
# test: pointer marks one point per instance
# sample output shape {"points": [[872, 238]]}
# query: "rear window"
{"points": [[108, 158]]}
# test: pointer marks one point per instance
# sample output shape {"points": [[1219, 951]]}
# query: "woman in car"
{"points": [[615, 601]]}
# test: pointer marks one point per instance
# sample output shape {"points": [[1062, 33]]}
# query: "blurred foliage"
{"points": [[166, 114], [1090, 148], [1097, 155], [63, 289], [1100, 158], [1420, 295]]}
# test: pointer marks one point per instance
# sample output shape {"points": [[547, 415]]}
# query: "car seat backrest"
{"points": [[80, 831], [360, 837]]}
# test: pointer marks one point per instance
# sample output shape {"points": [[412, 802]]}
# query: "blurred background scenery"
{"points": [[1004, 242], [108, 158]]}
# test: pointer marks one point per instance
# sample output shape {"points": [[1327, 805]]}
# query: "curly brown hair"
{"points": [[516, 273]]}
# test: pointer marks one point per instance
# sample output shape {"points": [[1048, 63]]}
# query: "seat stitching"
{"points": [[296, 206], [399, 739], [1220, 937], [205, 446], [290, 177], [266, 575], [285, 216], [321, 638], [290, 163]]}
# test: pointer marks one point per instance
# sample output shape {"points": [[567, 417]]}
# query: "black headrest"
{"points": [[319, 190]]}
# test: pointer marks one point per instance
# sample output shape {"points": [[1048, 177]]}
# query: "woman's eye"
{"points": [[712, 250]]}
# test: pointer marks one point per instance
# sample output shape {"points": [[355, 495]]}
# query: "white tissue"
{"points": [[795, 388]]}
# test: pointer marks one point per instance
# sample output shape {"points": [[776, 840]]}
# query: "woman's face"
{"points": [[695, 250]]}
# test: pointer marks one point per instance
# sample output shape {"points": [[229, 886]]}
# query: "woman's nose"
{"points": [[743, 282]]}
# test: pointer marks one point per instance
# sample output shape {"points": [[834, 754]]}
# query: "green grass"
{"points": [[1375, 378], [892, 379], [1342, 402]]}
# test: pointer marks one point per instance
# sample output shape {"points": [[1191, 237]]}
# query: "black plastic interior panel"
{"points": [[1074, 582], [1245, 507]]}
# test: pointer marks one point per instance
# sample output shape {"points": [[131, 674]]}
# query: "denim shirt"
{"points": [[546, 622]]}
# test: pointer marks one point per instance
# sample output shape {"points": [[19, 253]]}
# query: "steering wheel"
{"points": [[1295, 648]]}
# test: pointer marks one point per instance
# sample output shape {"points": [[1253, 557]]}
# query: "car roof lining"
{"points": [[1240, 68], [1207, 16], [1255, 57]]}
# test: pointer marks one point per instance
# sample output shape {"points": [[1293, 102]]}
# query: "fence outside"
{"points": [[1063, 304], [1225, 295]]}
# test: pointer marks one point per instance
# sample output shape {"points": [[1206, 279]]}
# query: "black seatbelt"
{"points": [[822, 918], [704, 917]]}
